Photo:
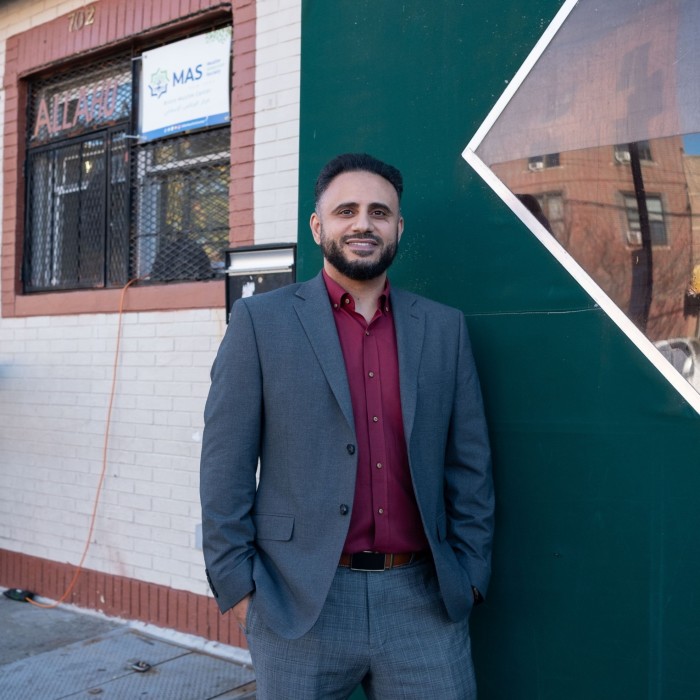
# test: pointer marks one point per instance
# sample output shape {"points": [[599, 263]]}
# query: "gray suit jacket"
{"points": [[280, 395]]}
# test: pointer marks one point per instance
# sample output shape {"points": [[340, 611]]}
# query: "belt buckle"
{"points": [[367, 561]]}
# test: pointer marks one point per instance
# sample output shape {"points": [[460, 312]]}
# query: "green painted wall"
{"points": [[595, 591]]}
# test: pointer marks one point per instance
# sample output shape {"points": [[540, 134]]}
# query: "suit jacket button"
{"points": [[344, 509], [351, 449]]}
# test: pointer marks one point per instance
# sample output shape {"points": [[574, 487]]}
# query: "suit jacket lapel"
{"points": [[409, 322], [314, 311]]}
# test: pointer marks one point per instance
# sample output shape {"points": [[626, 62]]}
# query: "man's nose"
{"points": [[363, 222]]}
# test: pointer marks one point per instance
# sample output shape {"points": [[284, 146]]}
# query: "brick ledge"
{"points": [[118, 596]]}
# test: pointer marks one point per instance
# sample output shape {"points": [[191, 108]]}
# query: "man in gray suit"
{"points": [[359, 554]]}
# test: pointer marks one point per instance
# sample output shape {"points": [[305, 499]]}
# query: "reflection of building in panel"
{"points": [[692, 172], [590, 204], [608, 77]]}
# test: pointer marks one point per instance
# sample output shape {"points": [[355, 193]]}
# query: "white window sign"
{"points": [[185, 85]]}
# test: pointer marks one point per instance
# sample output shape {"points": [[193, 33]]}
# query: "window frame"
{"points": [[47, 48], [543, 162], [69, 250], [632, 228], [107, 134], [621, 152], [557, 224]]}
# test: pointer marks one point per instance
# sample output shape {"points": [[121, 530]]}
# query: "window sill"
{"points": [[166, 297]]}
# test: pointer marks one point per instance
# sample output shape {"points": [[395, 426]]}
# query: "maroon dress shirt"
{"points": [[385, 515]]}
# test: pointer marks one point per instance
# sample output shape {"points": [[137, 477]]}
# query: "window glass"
{"points": [[655, 214], [622, 152], [551, 160]]}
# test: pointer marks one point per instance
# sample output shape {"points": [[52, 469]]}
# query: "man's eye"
{"points": [[345, 212], [379, 212]]}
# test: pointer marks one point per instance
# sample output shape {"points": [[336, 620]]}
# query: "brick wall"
{"points": [[277, 120], [592, 184], [55, 383], [56, 372], [119, 596]]}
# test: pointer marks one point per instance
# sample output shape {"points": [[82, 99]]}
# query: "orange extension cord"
{"points": [[100, 484]]}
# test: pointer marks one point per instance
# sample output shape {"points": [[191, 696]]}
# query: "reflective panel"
{"points": [[599, 139]]}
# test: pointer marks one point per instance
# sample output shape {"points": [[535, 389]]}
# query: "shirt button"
{"points": [[381, 511], [335, 306], [347, 301], [379, 465], [343, 509], [366, 332], [375, 419], [351, 449], [371, 374]]}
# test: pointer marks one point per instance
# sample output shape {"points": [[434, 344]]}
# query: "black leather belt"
{"points": [[378, 561]]}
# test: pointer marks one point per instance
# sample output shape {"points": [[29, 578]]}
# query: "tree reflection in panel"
{"points": [[600, 142]]}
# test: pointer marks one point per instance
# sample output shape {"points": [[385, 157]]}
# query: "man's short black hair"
{"points": [[357, 162]]}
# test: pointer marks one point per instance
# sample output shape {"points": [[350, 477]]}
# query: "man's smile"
{"points": [[361, 244]]}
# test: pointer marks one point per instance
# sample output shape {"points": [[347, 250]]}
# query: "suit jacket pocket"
{"points": [[273, 527]]}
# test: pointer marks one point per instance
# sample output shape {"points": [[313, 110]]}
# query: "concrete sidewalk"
{"points": [[49, 654]]}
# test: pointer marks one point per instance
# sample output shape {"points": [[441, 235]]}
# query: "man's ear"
{"points": [[315, 224], [400, 227]]}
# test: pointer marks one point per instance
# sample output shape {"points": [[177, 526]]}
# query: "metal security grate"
{"points": [[79, 101], [76, 214], [181, 207], [77, 224], [103, 208]]}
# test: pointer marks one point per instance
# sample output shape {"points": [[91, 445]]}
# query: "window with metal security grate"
{"points": [[103, 208], [181, 207]]}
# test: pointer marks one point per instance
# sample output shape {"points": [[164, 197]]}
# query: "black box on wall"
{"points": [[256, 269]]}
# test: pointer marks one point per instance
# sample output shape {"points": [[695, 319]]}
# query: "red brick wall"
{"points": [[592, 182], [117, 596], [119, 23]]}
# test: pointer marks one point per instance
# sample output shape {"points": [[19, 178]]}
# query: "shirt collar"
{"points": [[338, 295]]}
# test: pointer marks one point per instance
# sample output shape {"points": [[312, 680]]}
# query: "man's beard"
{"points": [[359, 270]]}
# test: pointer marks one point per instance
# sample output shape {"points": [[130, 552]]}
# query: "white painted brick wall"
{"points": [[55, 380], [56, 375], [278, 70]]}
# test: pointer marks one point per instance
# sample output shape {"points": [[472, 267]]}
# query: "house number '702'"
{"points": [[81, 18]]}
